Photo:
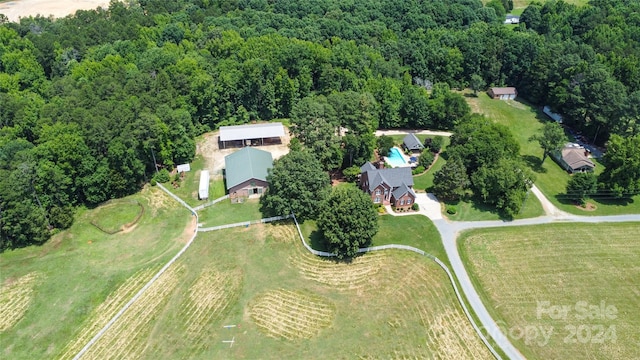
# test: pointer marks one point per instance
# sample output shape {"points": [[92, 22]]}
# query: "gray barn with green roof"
{"points": [[246, 173]]}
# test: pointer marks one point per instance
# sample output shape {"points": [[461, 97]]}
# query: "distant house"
{"points": [[246, 173], [388, 186], [512, 19], [574, 158], [503, 93], [250, 134], [412, 143], [203, 188]]}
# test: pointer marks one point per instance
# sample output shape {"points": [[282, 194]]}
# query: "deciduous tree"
{"points": [[298, 184], [348, 221], [551, 139]]}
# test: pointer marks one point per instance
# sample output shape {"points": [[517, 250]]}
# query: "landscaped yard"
{"points": [[526, 275], [525, 120], [49, 293]]}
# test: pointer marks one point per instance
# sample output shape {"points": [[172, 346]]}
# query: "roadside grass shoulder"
{"points": [[78, 268], [515, 269]]}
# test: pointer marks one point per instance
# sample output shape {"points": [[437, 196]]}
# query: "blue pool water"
{"points": [[395, 158]]}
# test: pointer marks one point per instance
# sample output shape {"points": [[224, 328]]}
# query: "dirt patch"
{"points": [[587, 207], [14, 10], [213, 155]]}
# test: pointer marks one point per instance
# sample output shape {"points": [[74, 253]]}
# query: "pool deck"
{"points": [[404, 156]]}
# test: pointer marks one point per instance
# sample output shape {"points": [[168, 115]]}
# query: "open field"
{"points": [[16, 9], [522, 273], [80, 269], [525, 120], [283, 301]]}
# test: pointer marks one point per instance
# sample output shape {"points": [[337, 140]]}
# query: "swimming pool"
{"points": [[395, 158]]}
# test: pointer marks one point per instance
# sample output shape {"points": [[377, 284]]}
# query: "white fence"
{"points": [[421, 252], [244, 223], [200, 207]]}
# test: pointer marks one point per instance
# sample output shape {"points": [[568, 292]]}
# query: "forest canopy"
{"points": [[90, 104]]}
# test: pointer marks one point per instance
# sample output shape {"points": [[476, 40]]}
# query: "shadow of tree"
{"points": [[535, 163]]}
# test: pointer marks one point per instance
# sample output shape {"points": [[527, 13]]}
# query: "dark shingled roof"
{"points": [[366, 167], [401, 190], [393, 177], [412, 142]]}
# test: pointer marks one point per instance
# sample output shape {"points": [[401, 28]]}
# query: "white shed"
{"points": [[203, 189]]}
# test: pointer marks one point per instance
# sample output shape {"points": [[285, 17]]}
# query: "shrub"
{"points": [[426, 158], [415, 207], [162, 176], [351, 173], [418, 170], [153, 182], [451, 209], [434, 144]]}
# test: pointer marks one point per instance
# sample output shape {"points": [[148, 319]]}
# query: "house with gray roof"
{"points": [[388, 186], [574, 158], [412, 143], [246, 173]]}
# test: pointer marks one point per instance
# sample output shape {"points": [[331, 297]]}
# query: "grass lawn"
{"points": [[224, 212], [476, 211], [516, 268], [525, 120], [116, 215], [188, 190], [287, 303], [54, 288]]}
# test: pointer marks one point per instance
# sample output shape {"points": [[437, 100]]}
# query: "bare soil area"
{"points": [[14, 10], [213, 155]]}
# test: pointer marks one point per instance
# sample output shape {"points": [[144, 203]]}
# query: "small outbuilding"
{"points": [[246, 173], [412, 143], [251, 134], [503, 93], [203, 188]]}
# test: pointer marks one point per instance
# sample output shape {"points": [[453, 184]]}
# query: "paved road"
{"points": [[418, 132], [449, 232]]}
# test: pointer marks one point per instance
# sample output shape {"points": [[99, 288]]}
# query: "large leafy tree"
{"points": [[504, 184], [451, 182], [314, 123], [622, 166], [347, 221], [581, 186], [298, 184], [551, 139]]}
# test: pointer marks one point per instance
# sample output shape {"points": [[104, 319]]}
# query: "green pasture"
{"points": [[521, 273], [78, 268]]}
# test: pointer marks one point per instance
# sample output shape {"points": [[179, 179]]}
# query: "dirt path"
{"points": [[14, 10]]}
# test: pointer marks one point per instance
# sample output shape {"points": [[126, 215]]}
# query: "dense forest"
{"points": [[92, 103]]}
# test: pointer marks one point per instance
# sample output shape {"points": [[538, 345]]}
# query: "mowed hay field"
{"points": [[53, 298], [259, 288], [525, 276]]}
